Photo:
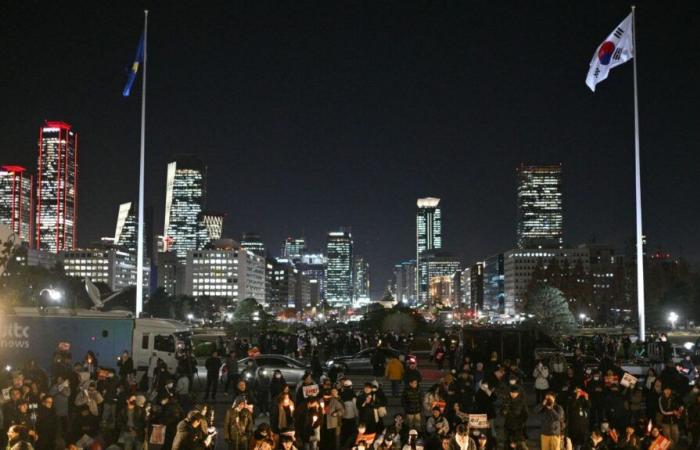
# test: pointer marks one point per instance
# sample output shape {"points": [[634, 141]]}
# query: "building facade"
{"points": [[339, 271], [113, 267], [434, 264], [313, 266], [57, 188], [361, 283], [520, 264], [211, 227], [293, 248], [405, 282], [494, 285], [184, 203], [540, 212], [125, 233], [16, 201], [254, 243], [225, 270], [472, 284], [428, 237]]}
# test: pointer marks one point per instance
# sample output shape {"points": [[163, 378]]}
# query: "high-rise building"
{"points": [[360, 280], [211, 227], [111, 266], [254, 243], [428, 237], [284, 285], [339, 270], [16, 201], [494, 284], [540, 218], [125, 233], [57, 187], [184, 203], [293, 248], [224, 269], [313, 266], [436, 264], [405, 282], [520, 264], [171, 274], [472, 280]]}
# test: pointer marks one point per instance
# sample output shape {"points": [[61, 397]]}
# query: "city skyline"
{"points": [[450, 146]]}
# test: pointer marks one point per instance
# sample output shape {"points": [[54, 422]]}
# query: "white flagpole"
{"points": [[638, 191], [139, 243]]}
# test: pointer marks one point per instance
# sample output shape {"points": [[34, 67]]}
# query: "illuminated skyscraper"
{"points": [[57, 187], [254, 243], [313, 266], [405, 282], [339, 270], [211, 227], [293, 248], [361, 280], [184, 203], [16, 201], [428, 237], [125, 232], [540, 218]]}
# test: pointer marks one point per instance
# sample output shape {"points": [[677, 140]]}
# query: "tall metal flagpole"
{"points": [[139, 243], [638, 190]]}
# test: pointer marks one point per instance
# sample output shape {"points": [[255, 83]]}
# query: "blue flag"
{"points": [[134, 68]]}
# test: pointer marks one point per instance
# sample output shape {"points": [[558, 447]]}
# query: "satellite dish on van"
{"points": [[8, 243], [94, 293]]}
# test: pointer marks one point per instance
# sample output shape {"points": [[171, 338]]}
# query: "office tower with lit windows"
{"points": [[540, 217], [293, 248], [405, 282], [184, 203], [211, 227], [57, 188], [313, 266], [434, 264], [360, 280], [125, 231], [339, 271], [254, 243], [16, 201], [428, 237]]}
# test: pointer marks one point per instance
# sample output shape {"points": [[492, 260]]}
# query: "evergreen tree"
{"points": [[551, 311]]}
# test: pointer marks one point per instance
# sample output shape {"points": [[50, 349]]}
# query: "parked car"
{"points": [[292, 369], [360, 362]]}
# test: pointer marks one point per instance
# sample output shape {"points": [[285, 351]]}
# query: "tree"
{"points": [[245, 310], [551, 311]]}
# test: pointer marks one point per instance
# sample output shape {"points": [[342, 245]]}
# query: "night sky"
{"points": [[316, 115]]}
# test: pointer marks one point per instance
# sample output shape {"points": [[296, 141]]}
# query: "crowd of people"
{"points": [[478, 403]]}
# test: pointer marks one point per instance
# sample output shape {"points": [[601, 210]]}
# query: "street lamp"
{"points": [[190, 317], [673, 318]]}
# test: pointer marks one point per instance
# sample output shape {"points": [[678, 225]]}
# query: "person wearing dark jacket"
{"points": [[514, 410], [308, 423], [694, 421], [551, 421], [366, 403], [484, 403], [238, 425], [412, 402], [213, 365], [46, 425], [579, 418], [188, 436], [671, 412], [615, 409]]}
